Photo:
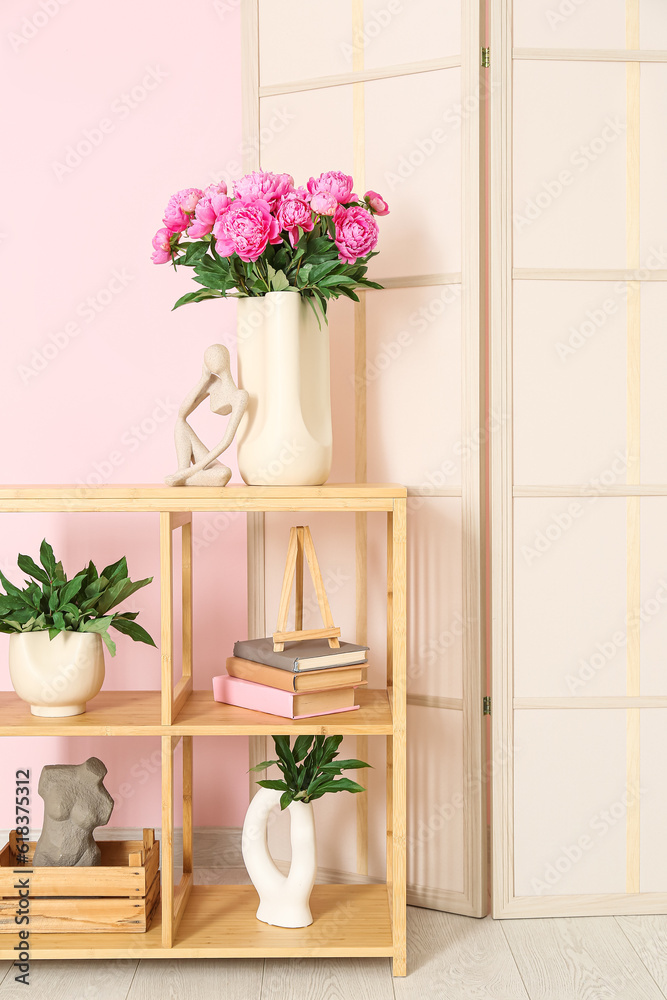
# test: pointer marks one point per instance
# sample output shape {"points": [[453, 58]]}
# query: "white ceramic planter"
{"points": [[56, 677], [283, 899], [285, 436]]}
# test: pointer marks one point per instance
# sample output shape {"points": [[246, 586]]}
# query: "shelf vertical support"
{"points": [[396, 751], [167, 602], [188, 858], [175, 898], [167, 844], [173, 698]]}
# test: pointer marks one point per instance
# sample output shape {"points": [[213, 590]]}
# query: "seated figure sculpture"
{"points": [[197, 464], [75, 803]]}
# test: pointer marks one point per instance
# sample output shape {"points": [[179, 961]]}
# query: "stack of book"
{"points": [[307, 678]]}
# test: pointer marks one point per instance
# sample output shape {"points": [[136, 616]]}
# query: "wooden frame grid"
{"points": [[219, 921]]}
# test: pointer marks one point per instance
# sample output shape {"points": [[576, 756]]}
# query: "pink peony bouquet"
{"points": [[270, 236]]}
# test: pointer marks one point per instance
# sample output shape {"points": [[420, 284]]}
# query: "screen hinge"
{"points": [[486, 57], [487, 705]]}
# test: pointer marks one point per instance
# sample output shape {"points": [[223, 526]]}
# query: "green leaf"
{"points": [[116, 571], [285, 800], [71, 589], [47, 559], [340, 785], [334, 279], [320, 270], [11, 589], [59, 621], [211, 280], [132, 629], [194, 252], [285, 755], [120, 591], [279, 282], [346, 765], [263, 766], [109, 643], [93, 591], [30, 567], [9, 604], [275, 783], [195, 297], [301, 747], [311, 302], [96, 624], [53, 632]]}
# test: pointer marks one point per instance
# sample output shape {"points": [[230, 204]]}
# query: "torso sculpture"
{"points": [[75, 803], [197, 464]]}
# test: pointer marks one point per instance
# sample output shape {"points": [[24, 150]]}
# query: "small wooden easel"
{"points": [[300, 541]]}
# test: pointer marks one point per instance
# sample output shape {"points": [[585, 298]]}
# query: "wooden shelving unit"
{"points": [[215, 921]]}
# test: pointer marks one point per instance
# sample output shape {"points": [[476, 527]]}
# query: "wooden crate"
{"points": [[121, 894]]}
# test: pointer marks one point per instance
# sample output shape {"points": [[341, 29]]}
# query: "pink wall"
{"points": [[108, 109]]}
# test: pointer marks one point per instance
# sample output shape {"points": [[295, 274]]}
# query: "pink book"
{"points": [[288, 704]]}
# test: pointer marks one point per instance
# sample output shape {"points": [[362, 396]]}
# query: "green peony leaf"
{"points": [[279, 282], [195, 297]]}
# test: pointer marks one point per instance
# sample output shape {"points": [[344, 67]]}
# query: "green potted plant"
{"points": [[309, 771], [58, 625]]}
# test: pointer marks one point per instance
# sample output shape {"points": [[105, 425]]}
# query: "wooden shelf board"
{"points": [[109, 714], [337, 496], [203, 716], [219, 922]]}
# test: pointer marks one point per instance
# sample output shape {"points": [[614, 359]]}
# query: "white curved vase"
{"points": [[56, 677], [283, 899], [285, 436]]}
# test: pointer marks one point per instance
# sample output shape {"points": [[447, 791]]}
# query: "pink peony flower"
{"points": [[293, 212], [206, 213], [261, 185], [356, 233], [162, 246], [324, 203], [376, 203], [333, 182], [179, 209], [219, 188], [245, 229]]}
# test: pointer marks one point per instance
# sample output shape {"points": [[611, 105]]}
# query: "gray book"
{"points": [[311, 654]]}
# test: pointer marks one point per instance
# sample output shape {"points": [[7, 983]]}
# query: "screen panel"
{"points": [[578, 472], [411, 417]]}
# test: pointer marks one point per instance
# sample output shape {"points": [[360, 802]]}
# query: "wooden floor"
{"points": [[449, 958]]}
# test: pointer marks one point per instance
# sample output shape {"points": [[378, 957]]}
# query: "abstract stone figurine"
{"points": [[75, 802], [197, 466]]}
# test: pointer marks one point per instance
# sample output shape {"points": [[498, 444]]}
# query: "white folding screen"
{"points": [[578, 465], [392, 96]]}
